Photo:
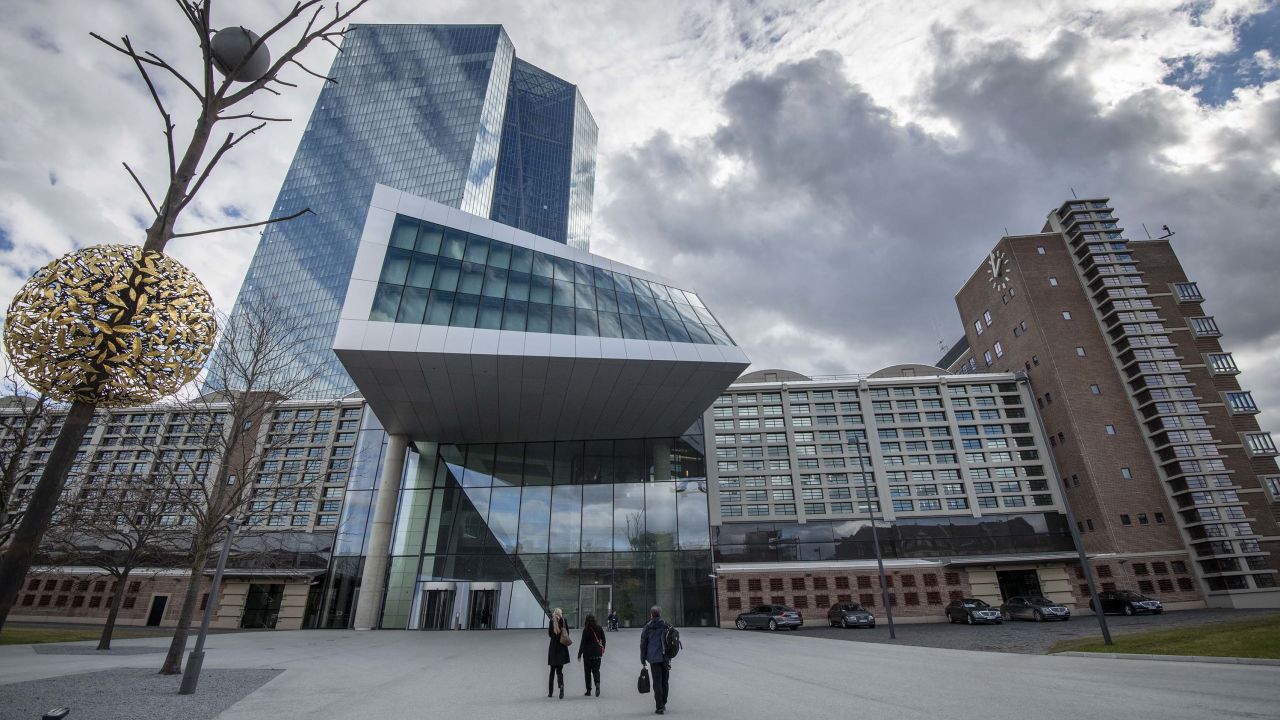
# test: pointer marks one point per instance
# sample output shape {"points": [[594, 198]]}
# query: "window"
{"points": [[986, 316], [1094, 389], [1066, 314], [1079, 351], [1053, 281], [1125, 520], [1040, 249], [999, 349], [1111, 429]]}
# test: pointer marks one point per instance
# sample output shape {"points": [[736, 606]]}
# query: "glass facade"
{"points": [[436, 275], [416, 107], [522, 528], [942, 537], [547, 135]]}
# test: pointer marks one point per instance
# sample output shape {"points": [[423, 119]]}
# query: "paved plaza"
{"points": [[721, 673]]}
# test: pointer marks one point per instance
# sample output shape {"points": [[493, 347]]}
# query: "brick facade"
{"points": [[85, 597]]}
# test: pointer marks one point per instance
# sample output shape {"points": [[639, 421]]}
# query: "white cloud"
{"points": [[656, 74]]}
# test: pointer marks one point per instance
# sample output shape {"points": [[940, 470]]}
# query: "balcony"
{"points": [[1221, 364], [1241, 403], [1204, 327], [1187, 292], [1260, 444]]}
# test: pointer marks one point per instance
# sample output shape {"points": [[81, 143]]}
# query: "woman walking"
{"points": [[590, 651], [557, 651]]}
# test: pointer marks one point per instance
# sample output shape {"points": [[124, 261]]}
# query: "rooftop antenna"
{"points": [[1145, 230], [1073, 194], [1006, 232], [1167, 233]]}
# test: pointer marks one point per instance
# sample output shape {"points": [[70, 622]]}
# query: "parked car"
{"points": [[849, 615], [1127, 602], [972, 611], [770, 616], [1034, 607]]}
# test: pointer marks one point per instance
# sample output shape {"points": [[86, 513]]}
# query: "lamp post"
{"points": [[875, 536], [191, 676], [1075, 532]]}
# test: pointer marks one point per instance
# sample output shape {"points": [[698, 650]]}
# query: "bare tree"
{"points": [[220, 99], [216, 477], [118, 524], [20, 432]]}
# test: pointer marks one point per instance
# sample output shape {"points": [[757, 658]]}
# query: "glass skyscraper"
{"points": [[444, 112]]}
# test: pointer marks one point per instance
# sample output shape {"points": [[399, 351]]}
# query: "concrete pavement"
{"points": [[720, 673]]}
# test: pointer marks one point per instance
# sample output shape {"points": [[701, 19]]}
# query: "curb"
{"points": [[1175, 658]]}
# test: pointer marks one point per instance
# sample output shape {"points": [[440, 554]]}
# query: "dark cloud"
{"points": [[831, 236]]}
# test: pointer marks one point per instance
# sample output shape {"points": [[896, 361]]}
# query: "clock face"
{"points": [[998, 270]]}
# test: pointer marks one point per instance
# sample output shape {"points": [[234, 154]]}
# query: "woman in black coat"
{"points": [[557, 651], [590, 650]]}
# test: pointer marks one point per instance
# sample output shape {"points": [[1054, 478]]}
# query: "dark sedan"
{"points": [[849, 615], [972, 611], [1126, 602], [770, 616], [1034, 607]]}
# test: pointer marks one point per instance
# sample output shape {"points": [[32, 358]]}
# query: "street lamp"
{"points": [[1075, 532], [875, 534], [715, 595], [191, 675]]}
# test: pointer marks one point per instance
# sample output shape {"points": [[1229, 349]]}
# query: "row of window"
{"points": [[840, 582]]}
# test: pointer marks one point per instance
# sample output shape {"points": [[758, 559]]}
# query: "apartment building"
{"points": [[1154, 438]]}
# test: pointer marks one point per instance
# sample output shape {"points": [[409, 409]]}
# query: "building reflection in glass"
{"points": [[494, 536]]}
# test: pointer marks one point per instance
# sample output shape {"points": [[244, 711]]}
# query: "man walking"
{"points": [[653, 653]]}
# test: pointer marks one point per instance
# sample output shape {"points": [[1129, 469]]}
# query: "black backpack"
{"points": [[671, 644]]}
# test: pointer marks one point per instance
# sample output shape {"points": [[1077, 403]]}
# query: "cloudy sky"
{"points": [[826, 174]]}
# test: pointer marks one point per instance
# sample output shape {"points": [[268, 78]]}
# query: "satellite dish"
{"points": [[230, 46]]}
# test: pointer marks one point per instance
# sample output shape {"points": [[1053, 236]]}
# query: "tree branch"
{"points": [[325, 30], [150, 59], [230, 142], [145, 194], [313, 73], [155, 96], [254, 116], [298, 214]]}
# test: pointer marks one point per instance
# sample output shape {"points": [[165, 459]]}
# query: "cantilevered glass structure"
{"points": [[535, 437]]}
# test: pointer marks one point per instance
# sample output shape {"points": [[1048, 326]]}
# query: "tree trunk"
{"points": [[117, 599], [173, 660], [43, 500]]}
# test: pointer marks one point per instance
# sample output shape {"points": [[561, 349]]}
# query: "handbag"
{"points": [[565, 640], [642, 684]]}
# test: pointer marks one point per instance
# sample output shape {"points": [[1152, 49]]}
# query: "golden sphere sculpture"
{"points": [[113, 325]]}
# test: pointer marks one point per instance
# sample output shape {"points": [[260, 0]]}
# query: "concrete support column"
{"points": [[369, 601]]}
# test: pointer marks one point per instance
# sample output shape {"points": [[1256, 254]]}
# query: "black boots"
{"points": [[597, 689], [561, 692]]}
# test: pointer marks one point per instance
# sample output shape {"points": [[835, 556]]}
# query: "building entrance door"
{"points": [[158, 603], [484, 606], [262, 606], [594, 600], [1018, 582], [436, 610]]}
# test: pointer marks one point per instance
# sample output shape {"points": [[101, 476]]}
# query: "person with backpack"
{"points": [[659, 643], [590, 651], [557, 651]]}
